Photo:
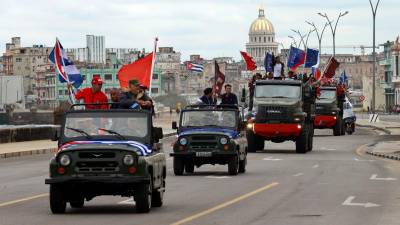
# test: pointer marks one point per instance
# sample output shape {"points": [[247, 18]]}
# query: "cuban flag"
{"points": [[65, 68], [195, 67]]}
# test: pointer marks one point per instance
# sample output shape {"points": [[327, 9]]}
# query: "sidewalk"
{"points": [[386, 149], [388, 127], [17, 149]]}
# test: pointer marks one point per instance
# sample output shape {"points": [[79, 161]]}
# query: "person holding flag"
{"points": [[92, 95], [279, 69]]}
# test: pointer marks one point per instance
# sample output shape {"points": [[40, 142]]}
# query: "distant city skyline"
{"points": [[209, 28]]}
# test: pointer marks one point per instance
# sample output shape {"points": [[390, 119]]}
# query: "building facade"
{"points": [[261, 38], [396, 70], [96, 49], [168, 62]]}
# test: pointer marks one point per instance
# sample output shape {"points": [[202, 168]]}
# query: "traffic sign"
{"points": [[362, 98]]}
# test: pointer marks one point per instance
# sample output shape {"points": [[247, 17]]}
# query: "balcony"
{"points": [[385, 62]]}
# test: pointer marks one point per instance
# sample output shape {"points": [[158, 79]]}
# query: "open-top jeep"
{"points": [[107, 152], [329, 111], [282, 110], [210, 135]]}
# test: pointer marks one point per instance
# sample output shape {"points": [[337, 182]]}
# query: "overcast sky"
{"points": [[211, 28]]}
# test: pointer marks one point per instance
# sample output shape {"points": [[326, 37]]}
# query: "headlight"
{"points": [[297, 119], [333, 113], [128, 160], [183, 141], [65, 160], [223, 141]]}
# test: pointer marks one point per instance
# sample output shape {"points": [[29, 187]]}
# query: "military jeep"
{"points": [[209, 135], [107, 152]]}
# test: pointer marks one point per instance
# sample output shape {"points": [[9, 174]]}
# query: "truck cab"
{"points": [[283, 110]]}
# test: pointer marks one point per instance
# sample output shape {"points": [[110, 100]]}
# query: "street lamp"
{"points": [[333, 29], [374, 10], [303, 36], [294, 40], [319, 35]]}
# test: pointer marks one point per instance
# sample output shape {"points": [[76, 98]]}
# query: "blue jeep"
{"points": [[210, 135]]}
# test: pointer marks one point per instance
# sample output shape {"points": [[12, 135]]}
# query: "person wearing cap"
{"points": [[93, 95], [135, 97]]}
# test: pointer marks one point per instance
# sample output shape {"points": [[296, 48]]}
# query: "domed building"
{"points": [[261, 38]]}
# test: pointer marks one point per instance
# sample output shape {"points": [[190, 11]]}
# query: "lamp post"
{"points": [[374, 10], [333, 29], [319, 36], [303, 36], [294, 40]]}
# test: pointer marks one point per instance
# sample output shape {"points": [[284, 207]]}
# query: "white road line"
{"points": [[315, 166], [348, 202], [328, 149], [271, 159], [375, 177], [299, 174], [362, 160], [217, 177]]}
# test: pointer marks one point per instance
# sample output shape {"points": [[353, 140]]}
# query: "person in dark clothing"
{"points": [[207, 98], [135, 97], [115, 95], [252, 85], [229, 98]]}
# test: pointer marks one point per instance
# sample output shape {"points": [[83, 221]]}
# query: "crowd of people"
{"points": [[226, 99]]}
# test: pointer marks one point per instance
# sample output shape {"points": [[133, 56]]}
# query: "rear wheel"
{"points": [[158, 195], [242, 165], [311, 138], [302, 141], [254, 142], [233, 166], [143, 197], [338, 126], [57, 202], [179, 166], [77, 202]]}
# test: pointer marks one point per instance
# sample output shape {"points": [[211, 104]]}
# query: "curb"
{"points": [[46, 150], [384, 155], [375, 127]]}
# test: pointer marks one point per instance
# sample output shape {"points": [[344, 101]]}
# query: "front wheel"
{"points": [[254, 142], [233, 166], [179, 166], [143, 197], [57, 202], [302, 142], [242, 165], [158, 195]]}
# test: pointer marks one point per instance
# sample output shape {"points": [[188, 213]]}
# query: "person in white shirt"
{"points": [[279, 69]]}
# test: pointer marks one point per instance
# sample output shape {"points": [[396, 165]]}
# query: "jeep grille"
{"points": [[200, 142]]}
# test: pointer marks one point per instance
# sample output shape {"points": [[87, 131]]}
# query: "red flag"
{"points": [[251, 65], [139, 70], [219, 79], [331, 67]]}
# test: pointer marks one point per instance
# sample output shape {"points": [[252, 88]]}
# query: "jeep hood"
{"points": [[217, 131], [137, 147]]}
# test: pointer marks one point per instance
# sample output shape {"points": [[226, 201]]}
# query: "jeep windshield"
{"points": [[106, 125], [277, 91], [327, 95], [212, 118]]}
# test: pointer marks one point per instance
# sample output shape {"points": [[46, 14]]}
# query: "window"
{"points": [[259, 39], [154, 90], [397, 65], [155, 76], [66, 92], [96, 75], [83, 77], [265, 39], [108, 77], [269, 39], [60, 92]]}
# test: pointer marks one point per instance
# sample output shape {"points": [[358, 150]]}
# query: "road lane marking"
{"points": [[315, 166], [298, 174], [226, 204], [271, 159], [23, 200], [217, 177], [363, 160], [375, 177], [328, 149], [348, 202]]}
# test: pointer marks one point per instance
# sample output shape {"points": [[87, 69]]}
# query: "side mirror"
{"points": [[55, 136], [157, 134], [243, 98], [174, 125]]}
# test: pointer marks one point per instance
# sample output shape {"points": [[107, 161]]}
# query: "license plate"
{"points": [[203, 154]]}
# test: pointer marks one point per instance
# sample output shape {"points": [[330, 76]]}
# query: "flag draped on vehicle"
{"points": [[311, 58], [251, 65], [219, 79], [331, 67], [296, 58], [65, 68], [139, 70]]}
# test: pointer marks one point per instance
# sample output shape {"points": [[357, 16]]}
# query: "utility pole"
{"points": [[303, 36], [319, 36], [333, 28], [374, 10]]}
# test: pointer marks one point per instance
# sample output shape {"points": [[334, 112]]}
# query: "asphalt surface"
{"points": [[330, 185]]}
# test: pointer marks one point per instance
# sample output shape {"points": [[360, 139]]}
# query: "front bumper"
{"points": [[190, 154], [324, 121], [277, 130], [98, 180]]}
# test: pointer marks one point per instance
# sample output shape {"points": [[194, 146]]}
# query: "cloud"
{"points": [[210, 28]]}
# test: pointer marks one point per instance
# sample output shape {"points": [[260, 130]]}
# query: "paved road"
{"points": [[330, 185]]}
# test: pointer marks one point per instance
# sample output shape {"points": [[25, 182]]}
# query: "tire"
{"points": [[179, 166], [302, 141], [337, 129], [254, 142], [57, 203], [158, 196], [77, 203], [311, 139], [189, 167], [343, 130], [143, 197], [242, 165], [233, 166]]}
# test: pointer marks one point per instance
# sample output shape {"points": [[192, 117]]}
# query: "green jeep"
{"points": [[107, 152], [210, 135]]}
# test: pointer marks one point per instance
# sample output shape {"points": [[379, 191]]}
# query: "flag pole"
{"points": [[152, 63], [66, 74]]}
